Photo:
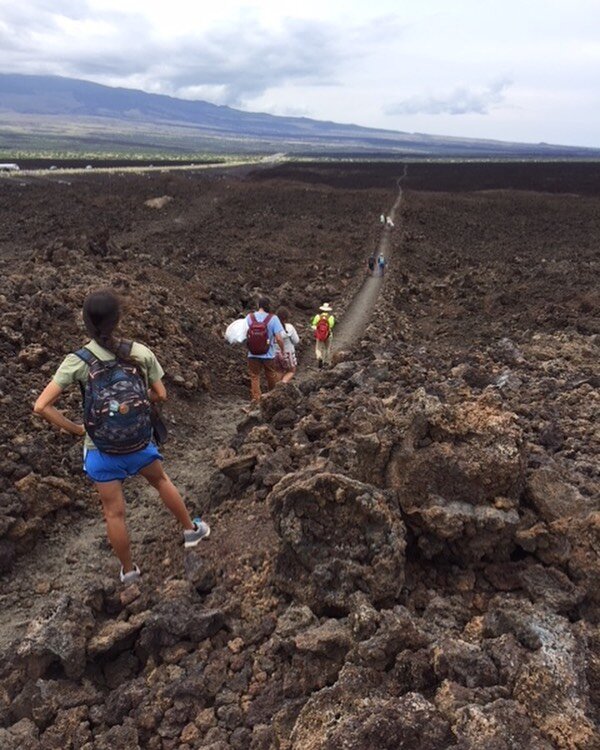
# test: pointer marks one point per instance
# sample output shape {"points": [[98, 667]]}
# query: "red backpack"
{"points": [[322, 330], [258, 335]]}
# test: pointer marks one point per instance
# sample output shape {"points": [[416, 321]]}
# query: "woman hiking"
{"points": [[121, 380], [290, 342]]}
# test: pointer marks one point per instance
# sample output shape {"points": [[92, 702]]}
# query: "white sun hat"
{"points": [[325, 307]]}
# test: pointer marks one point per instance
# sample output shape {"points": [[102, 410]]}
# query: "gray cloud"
{"points": [[461, 101], [235, 63], [42, 14]]}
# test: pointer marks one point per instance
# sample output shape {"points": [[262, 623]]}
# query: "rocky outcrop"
{"points": [[459, 472], [60, 637], [355, 714], [551, 681], [338, 536]]}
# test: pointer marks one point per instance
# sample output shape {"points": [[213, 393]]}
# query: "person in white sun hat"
{"points": [[322, 324]]}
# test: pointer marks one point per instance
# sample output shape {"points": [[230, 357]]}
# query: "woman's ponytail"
{"points": [[101, 314]]}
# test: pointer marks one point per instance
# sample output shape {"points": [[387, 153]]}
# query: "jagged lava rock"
{"points": [[355, 715], [551, 681], [338, 536], [459, 472], [571, 543], [554, 498], [176, 620], [62, 637], [284, 396], [498, 725]]}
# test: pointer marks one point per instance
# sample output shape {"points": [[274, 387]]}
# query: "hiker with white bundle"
{"points": [[121, 382], [322, 325], [263, 337]]}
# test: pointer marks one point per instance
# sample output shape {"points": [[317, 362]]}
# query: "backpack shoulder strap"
{"points": [[252, 318], [86, 355], [268, 319], [90, 359], [124, 349]]}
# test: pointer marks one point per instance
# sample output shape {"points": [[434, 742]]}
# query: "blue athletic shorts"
{"points": [[102, 467]]}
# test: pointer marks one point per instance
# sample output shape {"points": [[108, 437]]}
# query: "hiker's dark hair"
{"points": [[264, 303], [101, 314], [283, 314]]}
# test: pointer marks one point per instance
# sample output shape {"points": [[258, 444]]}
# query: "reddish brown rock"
{"points": [[354, 715], [338, 536], [459, 472], [553, 498]]}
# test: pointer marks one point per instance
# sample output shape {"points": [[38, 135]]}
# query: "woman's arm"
{"points": [[44, 407], [157, 392], [294, 336]]}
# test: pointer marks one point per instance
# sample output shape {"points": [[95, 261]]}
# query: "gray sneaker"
{"points": [[131, 577], [193, 537]]}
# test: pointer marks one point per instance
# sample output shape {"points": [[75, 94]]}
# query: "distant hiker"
{"points": [[289, 362], [120, 381], [322, 324], [382, 219], [371, 264], [388, 221], [264, 334], [381, 264]]}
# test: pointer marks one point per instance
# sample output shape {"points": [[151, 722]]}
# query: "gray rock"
{"points": [[551, 587], [337, 536], [200, 572], [459, 471], [285, 396], [62, 636], [355, 715], [178, 619], [553, 498]]}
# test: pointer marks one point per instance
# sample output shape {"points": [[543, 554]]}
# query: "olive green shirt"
{"points": [[74, 370]]}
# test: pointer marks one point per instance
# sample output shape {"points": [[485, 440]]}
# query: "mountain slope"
{"points": [[46, 105]]}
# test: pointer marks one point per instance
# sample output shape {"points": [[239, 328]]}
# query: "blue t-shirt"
{"points": [[274, 327]]}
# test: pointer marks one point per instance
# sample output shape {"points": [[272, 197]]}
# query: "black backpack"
{"points": [[116, 407]]}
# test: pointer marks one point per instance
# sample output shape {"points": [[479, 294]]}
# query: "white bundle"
{"points": [[237, 331]]}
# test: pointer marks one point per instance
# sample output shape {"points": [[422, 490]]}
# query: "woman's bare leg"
{"points": [[169, 494], [113, 505], [288, 376]]}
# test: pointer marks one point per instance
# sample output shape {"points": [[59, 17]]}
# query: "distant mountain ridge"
{"points": [[153, 120], [53, 95]]}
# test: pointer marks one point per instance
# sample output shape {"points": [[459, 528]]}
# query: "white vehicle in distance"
{"points": [[88, 166], [10, 168]]}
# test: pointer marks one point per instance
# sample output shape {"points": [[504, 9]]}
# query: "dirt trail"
{"points": [[357, 317]]}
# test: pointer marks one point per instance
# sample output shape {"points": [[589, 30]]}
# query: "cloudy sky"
{"points": [[520, 70]]}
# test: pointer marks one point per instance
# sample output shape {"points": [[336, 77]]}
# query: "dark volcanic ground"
{"points": [[405, 549]]}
